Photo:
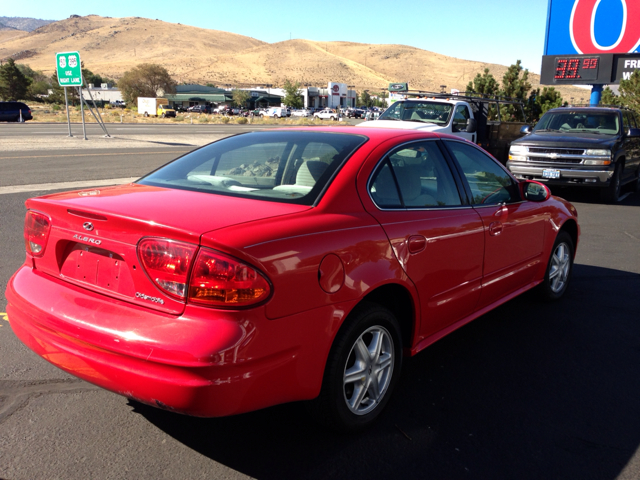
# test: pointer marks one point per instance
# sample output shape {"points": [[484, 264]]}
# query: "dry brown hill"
{"points": [[111, 46]]}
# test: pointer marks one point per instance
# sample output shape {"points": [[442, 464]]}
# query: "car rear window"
{"points": [[283, 166]]}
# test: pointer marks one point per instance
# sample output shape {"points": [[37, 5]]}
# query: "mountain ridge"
{"points": [[110, 46]]}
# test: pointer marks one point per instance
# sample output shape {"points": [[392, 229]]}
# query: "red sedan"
{"points": [[283, 265]]}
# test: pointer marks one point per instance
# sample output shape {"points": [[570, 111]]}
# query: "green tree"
{"points": [[485, 84], [609, 98], [539, 102], [514, 85], [630, 92], [365, 99], [13, 83], [145, 80], [292, 97], [240, 97], [57, 92], [91, 78]]}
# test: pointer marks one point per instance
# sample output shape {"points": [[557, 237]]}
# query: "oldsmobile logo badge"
{"points": [[88, 226]]}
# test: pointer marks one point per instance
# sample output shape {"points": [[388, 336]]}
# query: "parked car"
{"points": [[326, 114], [301, 112], [199, 109], [276, 266], [275, 112], [354, 113], [591, 147], [14, 111], [118, 104]]}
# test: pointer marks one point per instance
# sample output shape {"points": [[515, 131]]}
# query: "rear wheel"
{"points": [[559, 268], [362, 370]]}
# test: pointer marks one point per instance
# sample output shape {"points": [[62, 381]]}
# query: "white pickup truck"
{"points": [[476, 119]]}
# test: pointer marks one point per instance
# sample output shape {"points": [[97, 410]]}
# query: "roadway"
{"points": [[528, 391]]}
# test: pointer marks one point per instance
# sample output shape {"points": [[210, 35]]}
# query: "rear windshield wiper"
{"points": [[547, 130]]}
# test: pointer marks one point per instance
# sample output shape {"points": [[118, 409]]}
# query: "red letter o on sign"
{"points": [[582, 21]]}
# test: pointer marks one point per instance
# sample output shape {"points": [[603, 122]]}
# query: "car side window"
{"points": [[488, 182], [628, 121], [415, 176]]}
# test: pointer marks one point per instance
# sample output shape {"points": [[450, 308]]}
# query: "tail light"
{"points": [[36, 232], [167, 263], [223, 281]]}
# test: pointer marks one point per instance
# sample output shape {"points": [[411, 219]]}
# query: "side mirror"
{"points": [[534, 191], [633, 132], [472, 125], [526, 130]]}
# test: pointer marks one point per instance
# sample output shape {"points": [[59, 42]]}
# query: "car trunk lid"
{"points": [[94, 234]]}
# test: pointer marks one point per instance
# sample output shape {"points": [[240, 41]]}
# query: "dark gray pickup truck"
{"points": [[596, 147]]}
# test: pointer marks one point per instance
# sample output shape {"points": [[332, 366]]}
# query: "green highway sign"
{"points": [[69, 69]]}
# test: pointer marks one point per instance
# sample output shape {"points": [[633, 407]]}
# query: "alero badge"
{"points": [[80, 238]]}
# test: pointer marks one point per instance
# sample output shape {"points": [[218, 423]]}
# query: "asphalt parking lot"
{"points": [[531, 390]]}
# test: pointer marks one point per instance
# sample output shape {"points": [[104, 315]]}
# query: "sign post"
{"points": [[69, 71]]}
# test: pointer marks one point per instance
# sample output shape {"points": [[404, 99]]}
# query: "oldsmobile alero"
{"points": [[283, 265]]}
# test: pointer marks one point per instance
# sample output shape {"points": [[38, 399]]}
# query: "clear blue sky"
{"points": [[496, 31]]}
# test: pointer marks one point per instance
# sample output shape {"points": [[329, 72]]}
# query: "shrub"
{"points": [[242, 120], [179, 118], [203, 119], [56, 108], [225, 119]]}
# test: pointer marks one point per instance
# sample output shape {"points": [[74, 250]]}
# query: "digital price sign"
{"points": [[572, 68], [576, 69]]}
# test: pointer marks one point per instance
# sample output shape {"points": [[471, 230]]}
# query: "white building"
{"points": [[104, 93]]}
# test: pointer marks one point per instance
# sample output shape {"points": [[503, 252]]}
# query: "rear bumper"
{"points": [[204, 363], [588, 177]]}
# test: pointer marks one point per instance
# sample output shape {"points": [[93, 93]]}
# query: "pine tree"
{"points": [[630, 91], [13, 83], [485, 84]]}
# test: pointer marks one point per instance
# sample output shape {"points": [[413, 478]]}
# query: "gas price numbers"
{"points": [[576, 68]]}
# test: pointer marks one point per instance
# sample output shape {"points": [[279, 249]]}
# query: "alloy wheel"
{"points": [[368, 371]]}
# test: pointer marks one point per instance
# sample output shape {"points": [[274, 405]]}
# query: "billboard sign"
{"points": [[398, 87], [584, 27]]}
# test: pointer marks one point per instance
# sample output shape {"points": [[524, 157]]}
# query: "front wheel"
{"points": [[163, 115], [362, 370], [611, 193], [559, 268]]}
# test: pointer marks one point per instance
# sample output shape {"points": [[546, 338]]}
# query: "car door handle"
{"points": [[417, 243], [495, 228]]}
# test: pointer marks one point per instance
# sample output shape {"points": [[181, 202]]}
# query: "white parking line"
{"points": [[43, 187]]}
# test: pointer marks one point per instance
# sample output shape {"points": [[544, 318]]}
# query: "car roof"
{"points": [[586, 109], [377, 134]]}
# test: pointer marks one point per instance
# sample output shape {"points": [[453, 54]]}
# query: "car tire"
{"points": [[146, 114], [559, 268], [636, 189], [362, 370], [333, 119], [163, 115], [611, 193]]}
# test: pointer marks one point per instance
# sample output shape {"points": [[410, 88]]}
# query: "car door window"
{"points": [[415, 176], [628, 121], [488, 182]]}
